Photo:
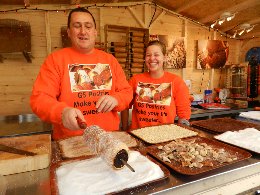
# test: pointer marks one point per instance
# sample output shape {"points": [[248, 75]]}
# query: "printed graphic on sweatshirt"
{"points": [[88, 77], [154, 93]]}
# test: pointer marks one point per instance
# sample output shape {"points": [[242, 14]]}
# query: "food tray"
{"points": [[156, 135], [221, 125], [137, 189], [247, 139], [214, 106], [176, 166]]}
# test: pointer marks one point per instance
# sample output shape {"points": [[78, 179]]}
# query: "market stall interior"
{"points": [[214, 47]]}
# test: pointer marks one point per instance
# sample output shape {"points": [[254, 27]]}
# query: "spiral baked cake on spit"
{"points": [[112, 150]]}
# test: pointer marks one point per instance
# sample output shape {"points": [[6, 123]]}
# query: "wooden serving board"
{"points": [[14, 163], [76, 147]]}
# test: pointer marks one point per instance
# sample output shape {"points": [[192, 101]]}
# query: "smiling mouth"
{"points": [[83, 39], [153, 64]]}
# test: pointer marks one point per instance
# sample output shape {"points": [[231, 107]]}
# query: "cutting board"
{"points": [[14, 163], [76, 147]]}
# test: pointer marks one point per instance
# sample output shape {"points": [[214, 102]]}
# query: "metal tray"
{"points": [[137, 189], [157, 134], [221, 125], [176, 166]]}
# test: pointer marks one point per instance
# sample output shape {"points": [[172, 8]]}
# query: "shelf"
{"points": [[127, 44]]}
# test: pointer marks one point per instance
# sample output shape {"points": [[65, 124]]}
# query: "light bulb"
{"points": [[235, 34], [241, 32], [249, 29], [221, 21]]}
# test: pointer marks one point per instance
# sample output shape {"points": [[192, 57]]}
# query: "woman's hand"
{"points": [[106, 103]]}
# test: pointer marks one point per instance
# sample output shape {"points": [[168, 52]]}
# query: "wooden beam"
{"points": [[147, 15], [237, 8], [136, 17], [158, 17], [212, 71], [74, 2], [48, 32], [185, 35], [188, 5], [101, 25]]}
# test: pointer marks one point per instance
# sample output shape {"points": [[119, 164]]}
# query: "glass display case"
{"points": [[236, 81]]}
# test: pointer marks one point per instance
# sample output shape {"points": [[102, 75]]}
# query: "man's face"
{"points": [[82, 32]]}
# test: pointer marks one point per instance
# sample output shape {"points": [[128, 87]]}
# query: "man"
{"points": [[80, 82]]}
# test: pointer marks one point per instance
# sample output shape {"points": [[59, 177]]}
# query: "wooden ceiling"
{"points": [[205, 12]]}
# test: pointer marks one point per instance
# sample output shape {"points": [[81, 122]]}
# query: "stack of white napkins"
{"points": [[94, 176], [248, 138], [255, 115]]}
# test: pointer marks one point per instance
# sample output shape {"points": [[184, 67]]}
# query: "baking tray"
{"points": [[157, 133], [176, 166], [221, 125], [143, 188]]}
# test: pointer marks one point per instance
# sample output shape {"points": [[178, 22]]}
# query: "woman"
{"points": [[158, 95]]}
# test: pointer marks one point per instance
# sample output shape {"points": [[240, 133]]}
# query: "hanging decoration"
{"points": [[212, 54]]}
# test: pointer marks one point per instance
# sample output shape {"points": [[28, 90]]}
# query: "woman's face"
{"points": [[154, 58], [82, 32]]}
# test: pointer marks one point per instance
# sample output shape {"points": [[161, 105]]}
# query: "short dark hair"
{"points": [[158, 43], [80, 9]]}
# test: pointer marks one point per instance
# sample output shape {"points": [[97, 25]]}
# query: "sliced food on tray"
{"points": [[162, 133], [248, 138], [195, 155], [191, 154], [220, 125], [76, 146], [103, 179]]}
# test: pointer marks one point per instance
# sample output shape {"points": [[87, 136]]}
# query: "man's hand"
{"points": [[69, 116], [106, 103]]}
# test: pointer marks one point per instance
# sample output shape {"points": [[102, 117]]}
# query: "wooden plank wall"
{"points": [[17, 76]]}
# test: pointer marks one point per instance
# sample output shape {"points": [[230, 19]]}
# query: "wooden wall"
{"points": [[17, 76]]}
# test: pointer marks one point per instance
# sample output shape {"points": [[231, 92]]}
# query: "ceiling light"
{"points": [[231, 17], [226, 16], [241, 32], [221, 21], [245, 28], [249, 29], [212, 25], [235, 34]]}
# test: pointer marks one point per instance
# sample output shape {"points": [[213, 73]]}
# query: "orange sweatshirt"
{"points": [[69, 78], [157, 101]]}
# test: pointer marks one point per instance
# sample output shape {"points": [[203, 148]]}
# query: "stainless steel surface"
{"points": [[28, 183], [38, 182], [201, 113], [15, 125]]}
